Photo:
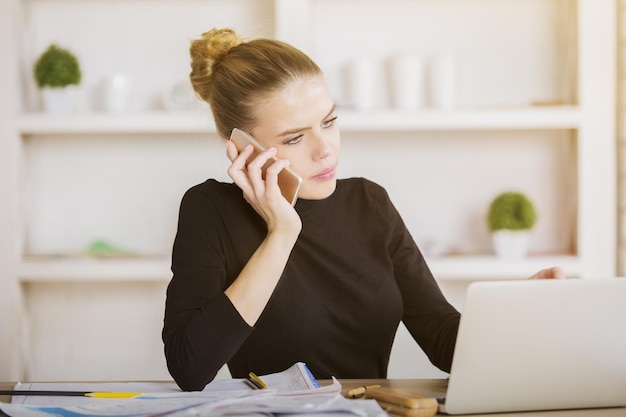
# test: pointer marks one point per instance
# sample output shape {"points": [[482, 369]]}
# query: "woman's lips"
{"points": [[325, 175]]}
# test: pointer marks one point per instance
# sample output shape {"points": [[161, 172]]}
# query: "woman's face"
{"points": [[299, 121]]}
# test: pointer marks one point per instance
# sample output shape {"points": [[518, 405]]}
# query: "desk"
{"points": [[436, 387]]}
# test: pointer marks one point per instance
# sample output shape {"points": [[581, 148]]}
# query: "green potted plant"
{"points": [[510, 218], [57, 73]]}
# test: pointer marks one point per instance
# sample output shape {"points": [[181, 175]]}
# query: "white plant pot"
{"points": [[511, 244], [60, 100]]}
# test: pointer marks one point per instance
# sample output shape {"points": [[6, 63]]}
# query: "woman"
{"points": [[259, 284]]}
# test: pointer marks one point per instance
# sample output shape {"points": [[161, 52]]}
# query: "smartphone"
{"points": [[288, 181]]}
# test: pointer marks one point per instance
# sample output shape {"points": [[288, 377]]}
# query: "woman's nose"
{"points": [[321, 146]]}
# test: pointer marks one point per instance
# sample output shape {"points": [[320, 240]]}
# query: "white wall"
{"points": [[126, 188]]}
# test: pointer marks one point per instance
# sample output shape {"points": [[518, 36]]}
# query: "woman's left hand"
{"points": [[550, 273]]}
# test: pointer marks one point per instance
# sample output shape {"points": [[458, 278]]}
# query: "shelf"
{"points": [[103, 123], [157, 269], [497, 118], [505, 118], [91, 269], [482, 268]]}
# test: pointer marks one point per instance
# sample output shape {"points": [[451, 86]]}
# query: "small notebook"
{"points": [[298, 377]]}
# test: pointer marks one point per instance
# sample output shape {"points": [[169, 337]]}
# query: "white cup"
{"points": [[406, 81], [362, 83], [116, 93], [442, 73]]}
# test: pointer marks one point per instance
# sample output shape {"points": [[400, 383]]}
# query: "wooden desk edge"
{"points": [[425, 387]]}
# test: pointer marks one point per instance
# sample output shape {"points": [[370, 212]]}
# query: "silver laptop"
{"points": [[540, 345]]}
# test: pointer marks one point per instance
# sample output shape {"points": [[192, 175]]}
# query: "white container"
{"points": [[116, 93], [442, 80], [511, 244], [406, 82], [60, 100], [363, 81]]}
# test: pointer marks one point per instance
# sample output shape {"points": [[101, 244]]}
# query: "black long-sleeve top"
{"points": [[354, 273]]}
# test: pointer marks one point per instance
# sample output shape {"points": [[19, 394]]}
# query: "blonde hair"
{"points": [[234, 76]]}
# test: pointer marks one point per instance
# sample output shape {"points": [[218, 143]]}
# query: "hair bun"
{"points": [[215, 44], [210, 48]]}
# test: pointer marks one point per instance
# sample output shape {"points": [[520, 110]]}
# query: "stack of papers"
{"points": [[293, 392]]}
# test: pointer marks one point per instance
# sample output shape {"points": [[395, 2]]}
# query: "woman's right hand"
{"points": [[263, 194], [255, 284]]}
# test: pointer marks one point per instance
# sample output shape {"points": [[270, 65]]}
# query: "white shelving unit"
{"points": [[587, 123], [159, 122]]}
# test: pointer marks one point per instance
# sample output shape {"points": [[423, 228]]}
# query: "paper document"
{"points": [[291, 392]]}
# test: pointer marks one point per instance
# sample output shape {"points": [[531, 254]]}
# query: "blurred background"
{"points": [[446, 103]]}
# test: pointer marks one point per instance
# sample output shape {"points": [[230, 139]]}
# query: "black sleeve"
{"points": [[428, 316], [202, 329]]}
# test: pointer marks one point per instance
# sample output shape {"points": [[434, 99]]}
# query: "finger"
{"points": [[239, 160], [261, 159], [550, 273], [231, 150], [271, 175], [255, 169], [237, 170], [557, 272]]}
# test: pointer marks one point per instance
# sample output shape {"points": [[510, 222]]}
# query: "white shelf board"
{"points": [[104, 123], [93, 269], [487, 118], [491, 118], [488, 267], [157, 269]]}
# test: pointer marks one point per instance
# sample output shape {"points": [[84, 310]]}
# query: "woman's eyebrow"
{"points": [[300, 129]]}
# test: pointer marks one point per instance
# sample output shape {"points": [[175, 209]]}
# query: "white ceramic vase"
{"points": [[442, 75], [511, 244], [406, 82], [363, 79], [116, 93]]}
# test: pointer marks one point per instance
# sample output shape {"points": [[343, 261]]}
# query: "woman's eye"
{"points": [[329, 122], [293, 141]]}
